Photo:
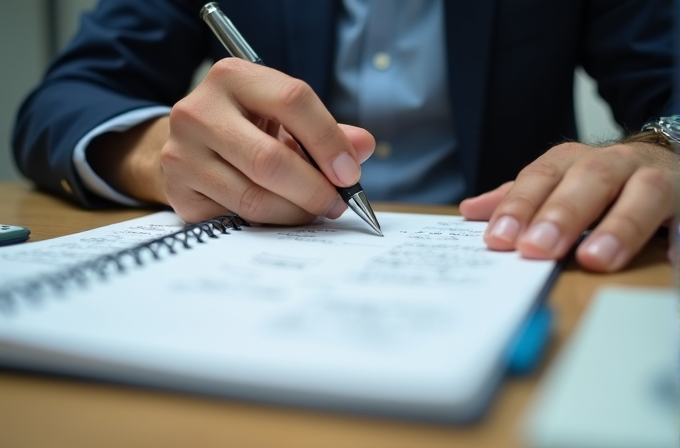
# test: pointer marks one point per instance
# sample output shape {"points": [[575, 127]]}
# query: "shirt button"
{"points": [[383, 150], [66, 186], [382, 61]]}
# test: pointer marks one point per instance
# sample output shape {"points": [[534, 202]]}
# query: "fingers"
{"points": [[481, 208], [590, 185], [294, 104], [362, 141], [271, 164], [226, 146], [196, 198], [563, 192], [647, 199], [529, 193]]}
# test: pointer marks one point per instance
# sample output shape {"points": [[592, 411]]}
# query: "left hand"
{"points": [[631, 188]]}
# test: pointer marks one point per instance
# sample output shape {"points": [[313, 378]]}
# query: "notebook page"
{"points": [[25, 261], [420, 316]]}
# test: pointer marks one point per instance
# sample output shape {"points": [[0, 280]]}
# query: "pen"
{"points": [[354, 196]]}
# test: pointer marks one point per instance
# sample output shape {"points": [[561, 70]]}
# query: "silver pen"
{"points": [[226, 32]]}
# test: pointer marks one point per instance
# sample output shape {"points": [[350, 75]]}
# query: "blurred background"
{"points": [[33, 31]]}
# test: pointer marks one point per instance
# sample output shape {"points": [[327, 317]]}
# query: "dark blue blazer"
{"points": [[510, 65]]}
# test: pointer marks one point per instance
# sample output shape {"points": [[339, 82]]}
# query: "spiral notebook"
{"points": [[415, 324]]}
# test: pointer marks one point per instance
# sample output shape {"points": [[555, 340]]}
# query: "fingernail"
{"points": [[604, 247], [506, 228], [336, 209], [543, 235], [346, 168]]}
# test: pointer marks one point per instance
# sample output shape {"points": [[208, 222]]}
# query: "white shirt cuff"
{"points": [[123, 122]]}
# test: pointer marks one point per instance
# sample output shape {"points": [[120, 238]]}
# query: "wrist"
{"points": [[665, 131], [649, 137], [129, 161]]}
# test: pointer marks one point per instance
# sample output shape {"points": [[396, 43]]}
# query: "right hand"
{"points": [[229, 150]]}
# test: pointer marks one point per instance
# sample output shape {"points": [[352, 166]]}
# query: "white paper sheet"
{"points": [[414, 323]]}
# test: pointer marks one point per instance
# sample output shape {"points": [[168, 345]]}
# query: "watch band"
{"points": [[663, 131]]}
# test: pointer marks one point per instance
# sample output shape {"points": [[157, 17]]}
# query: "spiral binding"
{"points": [[34, 290]]}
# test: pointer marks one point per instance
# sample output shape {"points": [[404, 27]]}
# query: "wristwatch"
{"points": [[666, 131]]}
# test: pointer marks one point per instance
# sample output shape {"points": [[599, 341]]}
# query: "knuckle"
{"points": [[226, 67], [170, 156], [253, 204], [189, 214], [660, 180], [567, 148], [327, 135], [599, 167], [294, 92], [561, 209], [320, 199], [542, 168], [190, 207], [266, 160], [183, 116], [517, 202], [626, 224], [625, 152]]}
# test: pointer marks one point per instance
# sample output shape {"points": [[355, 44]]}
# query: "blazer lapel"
{"points": [[469, 29]]}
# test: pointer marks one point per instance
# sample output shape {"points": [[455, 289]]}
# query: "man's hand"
{"points": [[630, 188], [227, 147]]}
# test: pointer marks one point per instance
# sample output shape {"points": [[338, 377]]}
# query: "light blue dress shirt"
{"points": [[391, 79]]}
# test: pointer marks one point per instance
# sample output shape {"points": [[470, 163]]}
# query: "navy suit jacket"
{"points": [[510, 66]]}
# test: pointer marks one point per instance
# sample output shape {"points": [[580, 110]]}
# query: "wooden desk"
{"points": [[40, 411]]}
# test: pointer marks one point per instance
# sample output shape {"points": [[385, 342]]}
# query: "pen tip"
{"points": [[373, 222], [359, 204]]}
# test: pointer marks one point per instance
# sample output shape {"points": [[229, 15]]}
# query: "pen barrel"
{"points": [[345, 193], [309, 156], [227, 33]]}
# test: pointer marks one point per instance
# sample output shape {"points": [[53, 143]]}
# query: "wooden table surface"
{"points": [[42, 410]]}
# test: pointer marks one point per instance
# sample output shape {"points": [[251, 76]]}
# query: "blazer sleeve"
{"points": [[127, 55], [627, 46]]}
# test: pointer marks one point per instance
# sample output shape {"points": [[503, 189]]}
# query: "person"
{"points": [[462, 96]]}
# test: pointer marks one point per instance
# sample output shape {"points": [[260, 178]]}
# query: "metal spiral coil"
{"points": [[35, 290]]}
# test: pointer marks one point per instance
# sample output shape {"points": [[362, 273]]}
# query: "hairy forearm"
{"points": [[655, 145], [652, 138]]}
